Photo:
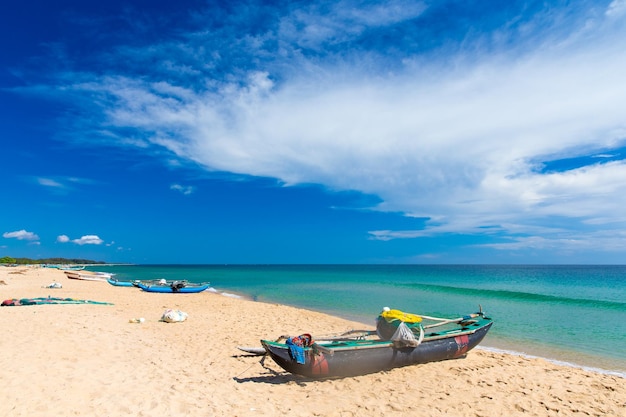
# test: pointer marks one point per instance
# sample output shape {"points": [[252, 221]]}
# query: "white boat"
{"points": [[88, 275], [68, 267]]}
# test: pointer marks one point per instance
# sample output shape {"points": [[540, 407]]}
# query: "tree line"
{"points": [[54, 261]]}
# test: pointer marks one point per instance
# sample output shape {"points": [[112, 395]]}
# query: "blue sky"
{"points": [[314, 132]]}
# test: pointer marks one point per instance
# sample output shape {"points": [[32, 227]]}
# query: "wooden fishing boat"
{"points": [[173, 287], [367, 351], [88, 275]]}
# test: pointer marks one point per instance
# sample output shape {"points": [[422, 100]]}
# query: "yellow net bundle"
{"points": [[391, 315]]}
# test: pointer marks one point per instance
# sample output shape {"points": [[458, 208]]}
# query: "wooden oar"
{"points": [[253, 350]]}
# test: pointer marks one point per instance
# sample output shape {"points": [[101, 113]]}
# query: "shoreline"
{"points": [[594, 364], [613, 372], [483, 346], [556, 354], [566, 357], [572, 342], [89, 360]]}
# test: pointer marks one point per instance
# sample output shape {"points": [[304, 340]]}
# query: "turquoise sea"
{"points": [[570, 314]]}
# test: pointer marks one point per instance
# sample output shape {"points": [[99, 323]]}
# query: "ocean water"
{"points": [[570, 314]]}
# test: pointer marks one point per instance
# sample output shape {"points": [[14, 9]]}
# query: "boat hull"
{"points": [[374, 356], [169, 289], [117, 283], [99, 276]]}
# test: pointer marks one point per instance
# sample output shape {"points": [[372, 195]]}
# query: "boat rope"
{"points": [[446, 320], [421, 336], [449, 321]]}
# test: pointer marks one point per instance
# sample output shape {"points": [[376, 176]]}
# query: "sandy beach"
{"points": [[89, 360]]}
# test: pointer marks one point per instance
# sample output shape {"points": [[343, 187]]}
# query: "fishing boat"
{"points": [[151, 282], [158, 281], [88, 275], [173, 287], [68, 267], [116, 282], [405, 339]]}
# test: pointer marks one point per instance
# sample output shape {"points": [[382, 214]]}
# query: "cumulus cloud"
{"points": [[21, 235], [84, 240], [88, 240]]}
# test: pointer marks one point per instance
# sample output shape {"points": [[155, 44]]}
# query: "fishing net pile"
{"points": [[400, 327]]}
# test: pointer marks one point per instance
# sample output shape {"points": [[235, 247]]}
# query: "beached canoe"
{"points": [[88, 275], [364, 352], [68, 268], [173, 287], [116, 282]]}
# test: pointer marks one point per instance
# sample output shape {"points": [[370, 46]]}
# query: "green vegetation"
{"points": [[7, 260], [55, 261]]}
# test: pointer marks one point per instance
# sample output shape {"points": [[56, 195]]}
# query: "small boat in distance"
{"points": [[163, 286], [158, 281], [395, 343], [88, 275], [69, 267]]}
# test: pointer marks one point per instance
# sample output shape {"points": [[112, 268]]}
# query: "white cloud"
{"points": [[184, 189], [85, 240], [88, 240], [21, 235], [63, 239], [47, 182], [617, 8], [453, 137], [61, 184], [314, 26], [460, 145]]}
